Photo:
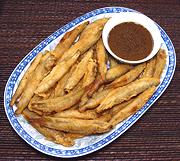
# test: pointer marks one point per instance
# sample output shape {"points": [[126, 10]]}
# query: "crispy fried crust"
{"points": [[41, 70], [132, 107], [160, 63], [122, 94], [71, 125], [25, 78], [101, 59], [67, 40], [117, 71], [79, 72], [59, 103], [88, 38], [150, 68], [56, 74], [128, 77]]}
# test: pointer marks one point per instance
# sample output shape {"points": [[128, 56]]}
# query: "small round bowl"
{"points": [[137, 18]]}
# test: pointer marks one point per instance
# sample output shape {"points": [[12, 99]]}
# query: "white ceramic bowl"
{"points": [[137, 18]]}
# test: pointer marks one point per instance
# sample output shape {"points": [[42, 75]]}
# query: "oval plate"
{"points": [[87, 144]]}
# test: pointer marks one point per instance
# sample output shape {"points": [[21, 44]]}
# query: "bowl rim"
{"points": [[137, 18]]}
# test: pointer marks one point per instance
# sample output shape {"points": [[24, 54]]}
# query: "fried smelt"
{"points": [[117, 71], [34, 99], [85, 96], [58, 137], [49, 62], [89, 78], [102, 69], [90, 74], [160, 63], [67, 40], [114, 110], [79, 72], [72, 125], [105, 117], [24, 79], [83, 100], [87, 115], [56, 74], [59, 90], [94, 86], [128, 77], [95, 100], [101, 59], [125, 93], [78, 87], [150, 68], [132, 107], [89, 36], [30, 115], [51, 134], [59, 103], [41, 70], [47, 94]]}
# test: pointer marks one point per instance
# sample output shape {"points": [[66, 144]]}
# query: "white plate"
{"points": [[88, 144]]}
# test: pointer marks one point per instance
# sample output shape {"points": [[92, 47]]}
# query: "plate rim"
{"points": [[31, 55]]}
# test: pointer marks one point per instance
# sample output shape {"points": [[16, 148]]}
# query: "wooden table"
{"points": [[24, 24]]}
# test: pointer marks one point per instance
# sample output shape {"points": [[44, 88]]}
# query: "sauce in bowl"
{"points": [[130, 41]]}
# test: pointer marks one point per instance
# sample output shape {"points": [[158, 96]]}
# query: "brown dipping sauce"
{"points": [[130, 41]]}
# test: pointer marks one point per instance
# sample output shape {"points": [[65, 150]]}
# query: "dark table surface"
{"points": [[24, 24]]}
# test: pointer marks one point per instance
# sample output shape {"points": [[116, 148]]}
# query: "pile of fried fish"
{"points": [[71, 92]]}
